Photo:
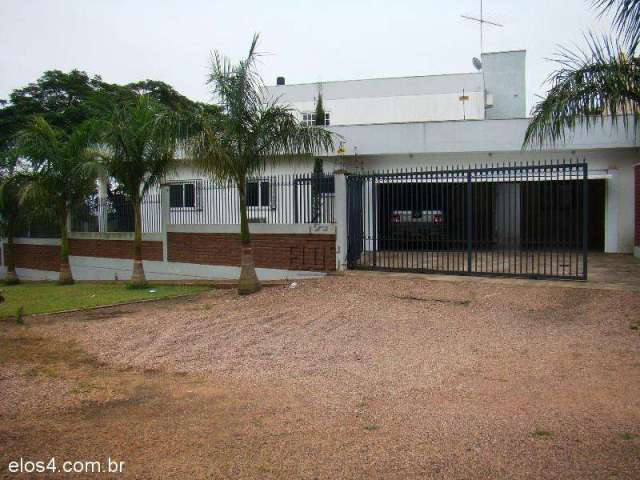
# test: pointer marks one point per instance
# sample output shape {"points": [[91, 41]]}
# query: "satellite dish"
{"points": [[477, 63]]}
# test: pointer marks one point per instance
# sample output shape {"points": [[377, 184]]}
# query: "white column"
{"points": [[340, 209], [165, 216], [636, 213], [612, 212]]}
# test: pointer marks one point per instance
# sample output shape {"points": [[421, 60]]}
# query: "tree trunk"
{"points": [[11, 277], [138, 279], [65, 277], [248, 282]]}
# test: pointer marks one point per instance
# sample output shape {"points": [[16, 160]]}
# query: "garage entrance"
{"points": [[526, 220]]}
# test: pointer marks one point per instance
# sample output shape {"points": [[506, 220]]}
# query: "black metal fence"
{"points": [[116, 214], [519, 220], [42, 228], [281, 199]]}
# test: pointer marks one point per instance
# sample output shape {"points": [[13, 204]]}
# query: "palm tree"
{"points": [[251, 132], [63, 172], [595, 85], [140, 138], [11, 217]]}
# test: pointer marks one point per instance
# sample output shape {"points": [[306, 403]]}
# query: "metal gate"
{"points": [[514, 220]]}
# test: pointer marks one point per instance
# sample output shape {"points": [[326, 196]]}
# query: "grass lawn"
{"points": [[48, 297]]}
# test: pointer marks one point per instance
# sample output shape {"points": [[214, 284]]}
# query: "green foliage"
{"points": [[136, 285], [596, 85], [141, 138], [12, 215], [20, 315], [320, 113], [46, 297], [66, 100], [63, 172], [543, 434], [63, 168], [251, 130], [626, 18], [62, 99], [316, 189]]}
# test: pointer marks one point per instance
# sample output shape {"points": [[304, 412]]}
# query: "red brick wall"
{"points": [[37, 257], [114, 249], [47, 257], [290, 252], [287, 251], [637, 202]]}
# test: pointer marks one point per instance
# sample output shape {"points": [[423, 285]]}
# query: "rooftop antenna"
{"points": [[481, 21]]}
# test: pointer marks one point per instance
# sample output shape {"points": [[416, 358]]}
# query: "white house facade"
{"points": [[428, 175], [462, 119]]}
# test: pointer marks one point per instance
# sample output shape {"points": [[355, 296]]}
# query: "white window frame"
{"points": [[309, 118], [197, 186], [272, 194]]}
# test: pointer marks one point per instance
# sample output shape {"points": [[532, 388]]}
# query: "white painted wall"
{"points": [[94, 268], [397, 109]]}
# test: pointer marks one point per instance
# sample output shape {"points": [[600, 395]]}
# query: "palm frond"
{"points": [[626, 19], [141, 139], [251, 130], [59, 175], [38, 141], [594, 85]]}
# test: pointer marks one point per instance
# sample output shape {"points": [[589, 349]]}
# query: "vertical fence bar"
{"points": [[585, 218], [469, 220]]}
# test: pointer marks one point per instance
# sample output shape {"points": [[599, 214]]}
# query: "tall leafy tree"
{"points": [[61, 98], [10, 221], [598, 84], [63, 171], [320, 114], [140, 138], [12, 212], [316, 181], [251, 132]]}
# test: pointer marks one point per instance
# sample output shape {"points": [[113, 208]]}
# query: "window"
{"points": [[309, 118], [259, 193], [182, 195]]}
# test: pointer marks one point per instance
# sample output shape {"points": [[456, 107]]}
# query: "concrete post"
{"points": [[636, 215], [165, 216], [340, 209], [611, 213]]}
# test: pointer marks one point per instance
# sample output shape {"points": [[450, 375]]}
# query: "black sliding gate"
{"points": [[515, 220]]}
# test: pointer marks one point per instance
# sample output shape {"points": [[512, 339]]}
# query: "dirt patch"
{"points": [[337, 378]]}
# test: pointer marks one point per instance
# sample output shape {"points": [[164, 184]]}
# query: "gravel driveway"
{"points": [[378, 376]]}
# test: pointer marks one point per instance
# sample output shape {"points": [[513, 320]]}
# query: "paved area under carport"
{"points": [[615, 269]]}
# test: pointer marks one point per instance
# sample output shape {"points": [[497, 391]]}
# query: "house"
{"points": [[436, 180], [449, 120]]}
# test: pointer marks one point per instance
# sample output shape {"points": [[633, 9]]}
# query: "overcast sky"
{"points": [[306, 41]]}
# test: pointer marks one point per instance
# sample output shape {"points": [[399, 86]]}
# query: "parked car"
{"points": [[417, 225]]}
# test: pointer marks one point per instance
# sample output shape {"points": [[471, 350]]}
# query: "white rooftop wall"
{"points": [[390, 100]]}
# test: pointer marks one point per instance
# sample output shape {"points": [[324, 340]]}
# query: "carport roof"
{"points": [[470, 136]]}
